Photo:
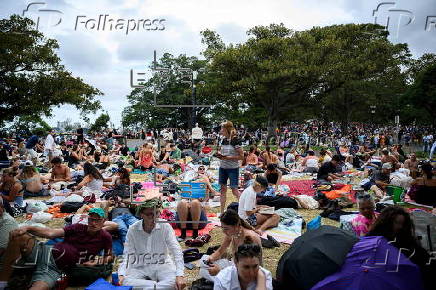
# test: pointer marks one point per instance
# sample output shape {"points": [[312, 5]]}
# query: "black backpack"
{"points": [[70, 207], [202, 284]]}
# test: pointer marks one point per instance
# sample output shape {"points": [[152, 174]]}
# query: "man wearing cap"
{"points": [[248, 210], [149, 244], [381, 180], [81, 245]]}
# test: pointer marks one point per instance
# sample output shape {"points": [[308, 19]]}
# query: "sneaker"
{"points": [[274, 241], [181, 239]]}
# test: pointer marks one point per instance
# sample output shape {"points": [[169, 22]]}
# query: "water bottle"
{"points": [[115, 280]]}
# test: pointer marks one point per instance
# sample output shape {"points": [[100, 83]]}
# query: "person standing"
{"points": [[49, 145], [231, 153]]}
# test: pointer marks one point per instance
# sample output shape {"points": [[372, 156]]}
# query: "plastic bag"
{"points": [[37, 206], [41, 217], [74, 198], [306, 202]]}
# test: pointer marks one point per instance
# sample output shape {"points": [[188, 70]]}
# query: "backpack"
{"points": [[70, 207], [202, 284]]}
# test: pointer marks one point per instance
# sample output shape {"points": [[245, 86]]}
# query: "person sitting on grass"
{"points": [[248, 210], [246, 273], [273, 175], [192, 211], [7, 225], [81, 245], [59, 172], [236, 232], [122, 177], [10, 189], [366, 216], [202, 176], [92, 183], [381, 180], [31, 181], [147, 262], [329, 170]]}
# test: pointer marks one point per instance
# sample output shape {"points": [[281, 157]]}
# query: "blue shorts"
{"points": [[229, 173], [203, 218], [252, 220]]}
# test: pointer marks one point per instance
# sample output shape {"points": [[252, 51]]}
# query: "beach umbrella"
{"points": [[313, 256], [374, 264]]}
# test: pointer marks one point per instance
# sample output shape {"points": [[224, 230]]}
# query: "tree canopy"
{"points": [[32, 78]]}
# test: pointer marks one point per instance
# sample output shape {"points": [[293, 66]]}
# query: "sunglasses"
{"points": [[202, 169]]}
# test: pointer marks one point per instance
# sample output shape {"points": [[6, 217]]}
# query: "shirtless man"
{"points": [[412, 165], [386, 158], [60, 172]]}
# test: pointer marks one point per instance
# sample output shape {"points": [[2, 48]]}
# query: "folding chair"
{"points": [[193, 190]]}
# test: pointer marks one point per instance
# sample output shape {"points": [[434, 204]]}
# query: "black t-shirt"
{"points": [[325, 170], [380, 176]]}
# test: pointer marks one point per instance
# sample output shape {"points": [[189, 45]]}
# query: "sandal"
{"points": [[205, 238]]}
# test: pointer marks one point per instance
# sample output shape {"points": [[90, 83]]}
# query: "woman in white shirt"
{"points": [[246, 274]]}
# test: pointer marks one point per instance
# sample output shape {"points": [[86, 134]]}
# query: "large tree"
{"points": [[283, 70], [173, 88], [422, 92], [32, 78]]}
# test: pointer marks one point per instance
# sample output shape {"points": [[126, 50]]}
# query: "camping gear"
{"points": [[396, 192], [374, 264], [425, 229], [314, 256]]}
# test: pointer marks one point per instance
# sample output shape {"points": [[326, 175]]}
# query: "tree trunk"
{"points": [[271, 126]]}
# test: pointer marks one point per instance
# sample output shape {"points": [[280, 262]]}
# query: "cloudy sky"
{"points": [[104, 57]]}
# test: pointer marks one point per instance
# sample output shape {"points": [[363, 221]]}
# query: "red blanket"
{"points": [[299, 187]]}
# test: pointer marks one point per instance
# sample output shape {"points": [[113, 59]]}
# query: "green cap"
{"points": [[99, 211]]}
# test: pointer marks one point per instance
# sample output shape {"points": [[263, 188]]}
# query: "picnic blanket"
{"points": [[299, 187], [286, 233], [147, 194], [204, 231], [344, 190]]}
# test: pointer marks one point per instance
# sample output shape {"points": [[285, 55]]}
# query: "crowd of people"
{"points": [[88, 168]]}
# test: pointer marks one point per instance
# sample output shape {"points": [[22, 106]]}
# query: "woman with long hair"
{"points": [[146, 159], [236, 232], [230, 154], [395, 224], [425, 186], [31, 182], [91, 184]]}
